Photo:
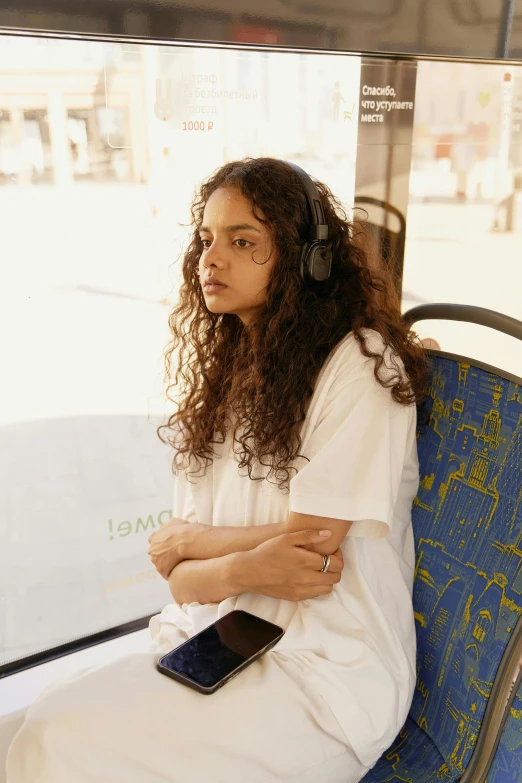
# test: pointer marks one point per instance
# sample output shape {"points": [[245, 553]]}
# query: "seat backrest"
{"points": [[467, 521]]}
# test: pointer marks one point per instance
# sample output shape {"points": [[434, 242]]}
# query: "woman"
{"points": [[294, 440]]}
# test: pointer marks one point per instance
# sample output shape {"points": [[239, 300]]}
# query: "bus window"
{"points": [[101, 145], [464, 227]]}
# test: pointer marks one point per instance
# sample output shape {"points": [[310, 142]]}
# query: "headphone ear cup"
{"points": [[318, 262], [303, 263]]}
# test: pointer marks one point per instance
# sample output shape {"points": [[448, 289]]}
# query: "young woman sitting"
{"points": [[295, 470]]}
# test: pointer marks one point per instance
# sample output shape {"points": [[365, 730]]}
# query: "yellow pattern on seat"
{"points": [[467, 521]]}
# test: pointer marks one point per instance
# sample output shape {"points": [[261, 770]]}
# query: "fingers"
{"points": [[336, 564], [303, 537], [311, 591], [315, 562], [335, 567], [330, 578], [312, 570]]}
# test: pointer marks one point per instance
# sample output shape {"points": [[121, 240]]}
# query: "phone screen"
{"points": [[214, 653]]}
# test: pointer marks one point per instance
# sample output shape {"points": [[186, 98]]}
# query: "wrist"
{"points": [[191, 544], [238, 572]]}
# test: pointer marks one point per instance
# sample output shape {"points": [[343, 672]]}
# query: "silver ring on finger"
{"points": [[326, 563]]}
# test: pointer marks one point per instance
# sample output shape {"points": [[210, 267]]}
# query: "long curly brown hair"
{"points": [[258, 379]]}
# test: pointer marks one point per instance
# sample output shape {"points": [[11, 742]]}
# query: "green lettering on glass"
{"points": [[126, 528]]}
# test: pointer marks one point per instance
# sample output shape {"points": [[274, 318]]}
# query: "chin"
{"points": [[215, 308]]}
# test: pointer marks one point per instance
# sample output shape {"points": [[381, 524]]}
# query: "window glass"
{"points": [[101, 146], [464, 228]]}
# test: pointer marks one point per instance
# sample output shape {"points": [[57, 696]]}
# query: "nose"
{"points": [[212, 256]]}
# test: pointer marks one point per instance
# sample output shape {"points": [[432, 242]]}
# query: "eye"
{"points": [[206, 243], [245, 242]]}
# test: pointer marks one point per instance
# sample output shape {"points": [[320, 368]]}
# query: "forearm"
{"points": [[210, 542], [209, 581], [215, 566], [205, 542], [278, 568]]}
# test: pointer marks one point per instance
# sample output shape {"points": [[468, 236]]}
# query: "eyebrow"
{"points": [[236, 227]]}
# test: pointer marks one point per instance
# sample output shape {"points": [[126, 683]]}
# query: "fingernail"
{"points": [[325, 532]]}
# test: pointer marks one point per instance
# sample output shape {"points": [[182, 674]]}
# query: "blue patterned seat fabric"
{"points": [[467, 521]]}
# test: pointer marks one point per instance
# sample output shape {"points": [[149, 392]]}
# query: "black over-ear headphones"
{"points": [[316, 256]]}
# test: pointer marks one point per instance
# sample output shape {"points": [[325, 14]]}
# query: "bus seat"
{"points": [[467, 597]]}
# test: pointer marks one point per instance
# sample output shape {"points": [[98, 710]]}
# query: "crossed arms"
{"points": [[207, 564]]}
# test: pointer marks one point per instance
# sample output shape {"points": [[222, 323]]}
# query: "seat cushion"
{"points": [[413, 757]]}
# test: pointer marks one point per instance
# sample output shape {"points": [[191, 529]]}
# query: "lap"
{"points": [[127, 722]]}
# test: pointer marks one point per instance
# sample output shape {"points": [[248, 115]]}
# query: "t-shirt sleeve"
{"points": [[357, 452]]}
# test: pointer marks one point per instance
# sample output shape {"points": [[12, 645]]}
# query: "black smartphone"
{"points": [[216, 654]]}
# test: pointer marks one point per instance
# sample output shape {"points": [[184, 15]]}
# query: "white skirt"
{"points": [[128, 723]]}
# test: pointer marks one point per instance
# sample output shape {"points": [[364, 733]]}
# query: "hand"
{"points": [[430, 343], [168, 545], [283, 568]]}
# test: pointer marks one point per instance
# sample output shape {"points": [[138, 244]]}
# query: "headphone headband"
{"points": [[318, 229], [316, 256]]}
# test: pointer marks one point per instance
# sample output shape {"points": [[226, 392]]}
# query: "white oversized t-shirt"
{"points": [[355, 646]]}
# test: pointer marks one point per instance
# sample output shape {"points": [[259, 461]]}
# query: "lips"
{"points": [[214, 281]]}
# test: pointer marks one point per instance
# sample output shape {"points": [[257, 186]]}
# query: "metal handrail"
{"points": [[505, 687], [468, 313], [377, 202]]}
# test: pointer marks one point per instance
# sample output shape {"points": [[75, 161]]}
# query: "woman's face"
{"points": [[237, 254]]}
